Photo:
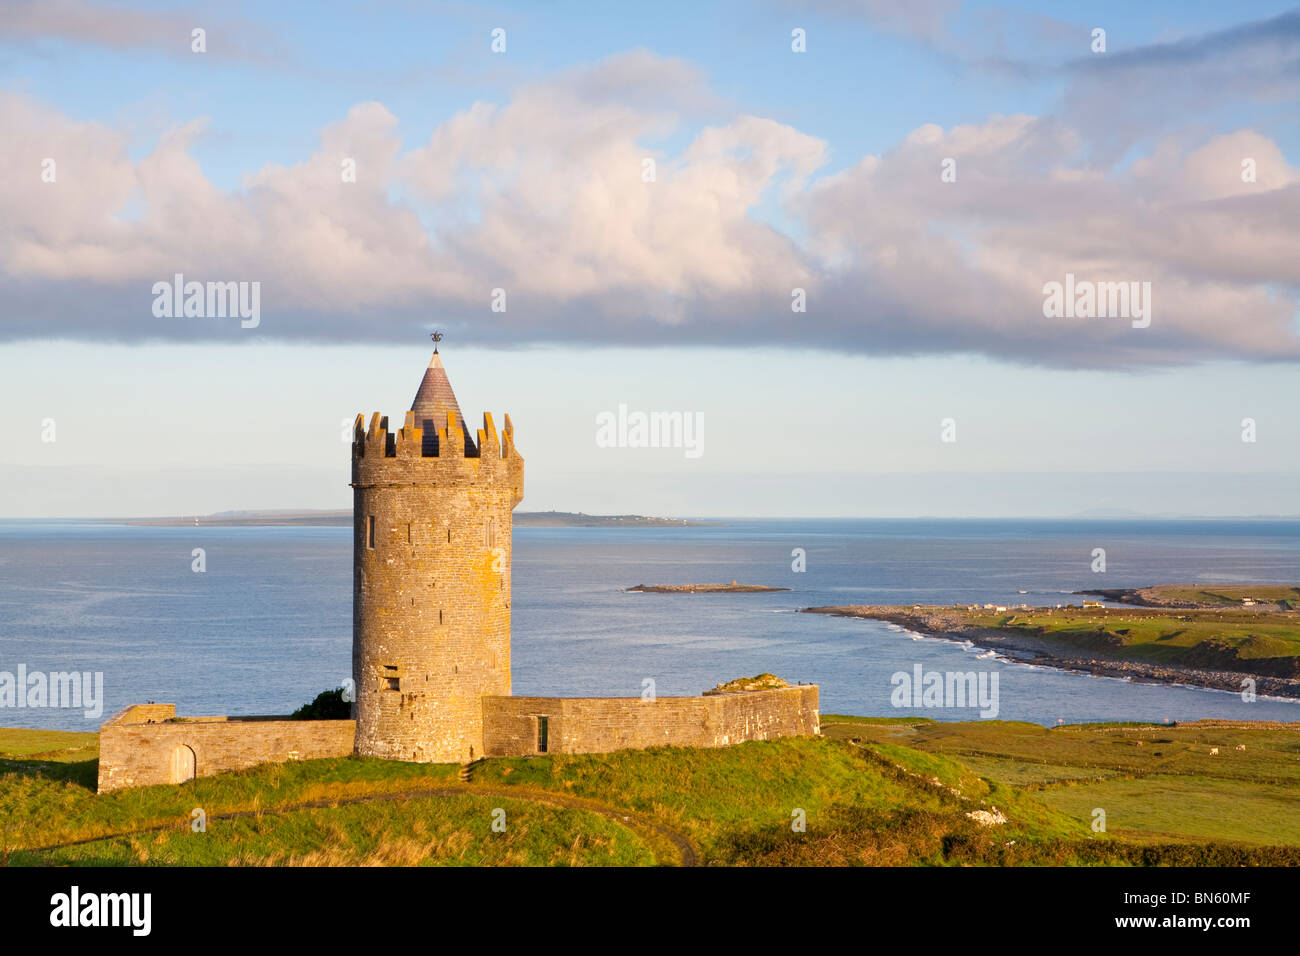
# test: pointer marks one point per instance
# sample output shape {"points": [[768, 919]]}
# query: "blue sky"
{"points": [[862, 89], [776, 170]]}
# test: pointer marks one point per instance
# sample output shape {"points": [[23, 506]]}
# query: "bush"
{"points": [[328, 705]]}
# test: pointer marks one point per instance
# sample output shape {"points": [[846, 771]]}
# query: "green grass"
{"points": [[1185, 807], [881, 805], [50, 745], [896, 791], [717, 796], [43, 803], [453, 830], [1155, 782]]}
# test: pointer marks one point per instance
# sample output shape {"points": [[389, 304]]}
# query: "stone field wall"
{"points": [[602, 724]]}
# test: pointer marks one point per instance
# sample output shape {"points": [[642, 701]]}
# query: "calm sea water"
{"points": [[268, 625]]}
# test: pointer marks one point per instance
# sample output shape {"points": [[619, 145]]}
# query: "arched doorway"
{"points": [[183, 764]]}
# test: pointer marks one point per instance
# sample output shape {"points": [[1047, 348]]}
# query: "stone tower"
{"points": [[431, 576]]}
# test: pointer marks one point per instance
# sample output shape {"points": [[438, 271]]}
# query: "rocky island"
{"points": [[732, 588], [742, 685]]}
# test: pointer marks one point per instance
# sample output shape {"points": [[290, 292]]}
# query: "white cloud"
{"points": [[117, 27], [544, 196]]}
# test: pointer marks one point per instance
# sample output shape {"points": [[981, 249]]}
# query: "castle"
{"points": [[432, 507], [431, 576]]}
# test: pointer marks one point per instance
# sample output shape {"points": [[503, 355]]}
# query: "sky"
{"points": [[825, 231]]}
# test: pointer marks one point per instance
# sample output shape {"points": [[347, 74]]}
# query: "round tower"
{"points": [[431, 576]]}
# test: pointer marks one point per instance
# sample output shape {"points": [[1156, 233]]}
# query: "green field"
{"points": [[1155, 782], [872, 791]]}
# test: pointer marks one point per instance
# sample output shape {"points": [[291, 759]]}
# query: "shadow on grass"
{"points": [[83, 773], [849, 836], [30, 859]]}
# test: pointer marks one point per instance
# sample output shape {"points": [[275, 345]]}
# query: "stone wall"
{"points": [[601, 724], [145, 744]]}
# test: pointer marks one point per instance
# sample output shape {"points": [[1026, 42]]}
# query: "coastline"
{"points": [[1048, 653]]}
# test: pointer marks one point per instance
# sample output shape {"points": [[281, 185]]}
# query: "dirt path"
{"points": [[646, 827]]}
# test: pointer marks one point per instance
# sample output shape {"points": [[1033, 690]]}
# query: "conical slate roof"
{"points": [[435, 398], [432, 403]]}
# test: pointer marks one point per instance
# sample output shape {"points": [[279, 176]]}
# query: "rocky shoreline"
{"points": [[934, 622], [1136, 598]]}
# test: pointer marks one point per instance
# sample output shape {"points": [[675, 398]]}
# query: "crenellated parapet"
{"points": [[382, 457]]}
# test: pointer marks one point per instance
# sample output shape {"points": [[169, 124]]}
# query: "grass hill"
{"points": [[872, 791]]}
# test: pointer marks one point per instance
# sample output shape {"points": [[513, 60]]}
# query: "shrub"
{"points": [[328, 705]]}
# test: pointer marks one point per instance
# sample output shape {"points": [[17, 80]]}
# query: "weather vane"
{"points": [[437, 337]]}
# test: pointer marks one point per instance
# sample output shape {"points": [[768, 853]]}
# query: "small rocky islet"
{"points": [[733, 588]]}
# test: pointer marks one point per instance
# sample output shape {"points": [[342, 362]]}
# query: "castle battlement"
{"points": [[451, 441], [445, 455]]}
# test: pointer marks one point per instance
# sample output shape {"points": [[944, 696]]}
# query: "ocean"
{"points": [[268, 624]]}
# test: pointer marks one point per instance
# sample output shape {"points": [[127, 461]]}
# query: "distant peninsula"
{"points": [[1205, 647], [732, 588], [328, 518], [1205, 596]]}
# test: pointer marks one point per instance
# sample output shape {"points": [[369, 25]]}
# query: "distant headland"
{"points": [[326, 518], [1205, 596], [1213, 645]]}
